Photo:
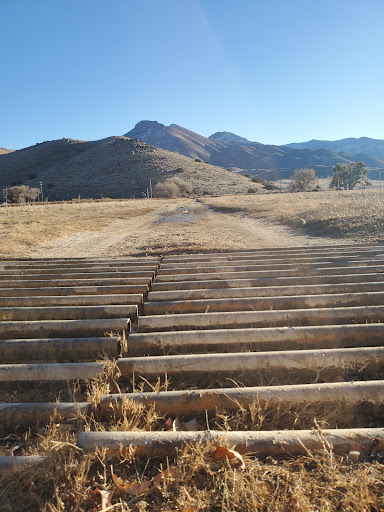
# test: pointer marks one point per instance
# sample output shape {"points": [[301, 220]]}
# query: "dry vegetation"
{"points": [[357, 213], [73, 481]]}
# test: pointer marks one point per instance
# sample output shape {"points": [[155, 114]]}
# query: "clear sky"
{"points": [[274, 71]]}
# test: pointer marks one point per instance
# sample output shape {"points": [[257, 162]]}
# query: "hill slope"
{"points": [[115, 167], [4, 151], [231, 151], [372, 147]]}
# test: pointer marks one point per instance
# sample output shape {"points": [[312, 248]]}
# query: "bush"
{"points": [[270, 186], [21, 194], [172, 187], [251, 190], [248, 176], [179, 169], [50, 185], [197, 160], [303, 180], [258, 180]]}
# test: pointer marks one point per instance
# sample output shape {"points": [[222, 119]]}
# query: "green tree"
{"points": [[347, 176], [303, 180]]}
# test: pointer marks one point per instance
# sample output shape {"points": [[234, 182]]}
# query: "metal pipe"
{"points": [[329, 271], [63, 328], [68, 313], [278, 318], [75, 282], [231, 399], [259, 443], [53, 372], [259, 339], [271, 267], [8, 462], [266, 282], [362, 360], [30, 414], [264, 303], [275, 259], [269, 291], [72, 300], [76, 276], [74, 270], [77, 290], [310, 250], [58, 349]]}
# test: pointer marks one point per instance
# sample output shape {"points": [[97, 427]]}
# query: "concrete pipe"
{"points": [[271, 291], [72, 300], [278, 318], [75, 282], [275, 338], [264, 303], [267, 282], [59, 349], [77, 290], [53, 372], [31, 414], [329, 271], [8, 463], [76, 276], [63, 328], [68, 313], [260, 443], [362, 360], [231, 399]]}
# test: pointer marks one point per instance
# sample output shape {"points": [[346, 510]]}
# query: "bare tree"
{"points": [[303, 180]]}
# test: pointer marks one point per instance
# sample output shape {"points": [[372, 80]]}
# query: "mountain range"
{"points": [[229, 150], [372, 147]]}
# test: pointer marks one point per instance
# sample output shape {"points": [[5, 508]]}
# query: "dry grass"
{"points": [[28, 227], [358, 214], [68, 480]]}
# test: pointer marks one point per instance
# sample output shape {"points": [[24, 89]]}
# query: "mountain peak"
{"points": [[145, 129], [232, 138]]}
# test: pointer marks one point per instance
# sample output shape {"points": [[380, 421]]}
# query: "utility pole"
{"points": [[150, 188], [41, 192]]}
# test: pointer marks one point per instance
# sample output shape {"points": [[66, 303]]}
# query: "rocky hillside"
{"points": [[115, 167], [4, 151], [365, 145], [228, 150]]}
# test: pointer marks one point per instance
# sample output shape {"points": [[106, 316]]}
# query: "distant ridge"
{"points": [[364, 145], [229, 150]]}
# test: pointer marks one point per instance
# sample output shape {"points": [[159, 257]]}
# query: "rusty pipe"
{"points": [[231, 399], [259, 443]]}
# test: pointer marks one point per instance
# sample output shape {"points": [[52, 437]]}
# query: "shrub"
{"points": [[50, 185], [269, 186], [251, 190], [172, 187], [197, 160], [184, 187], [255, 179], [248, 176], [303, 180], [21, 194], [179, 169]]}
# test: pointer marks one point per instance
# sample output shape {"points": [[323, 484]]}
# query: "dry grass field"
{"points": [[156, 226], [71, 481]]}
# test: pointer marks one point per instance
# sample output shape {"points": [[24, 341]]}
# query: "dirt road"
{"points": [[182, 226]]}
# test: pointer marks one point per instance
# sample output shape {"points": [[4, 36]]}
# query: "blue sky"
{"points": [[274, 71]]}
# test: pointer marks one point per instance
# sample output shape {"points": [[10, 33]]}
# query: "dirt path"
{"points": [[179, 227]]}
